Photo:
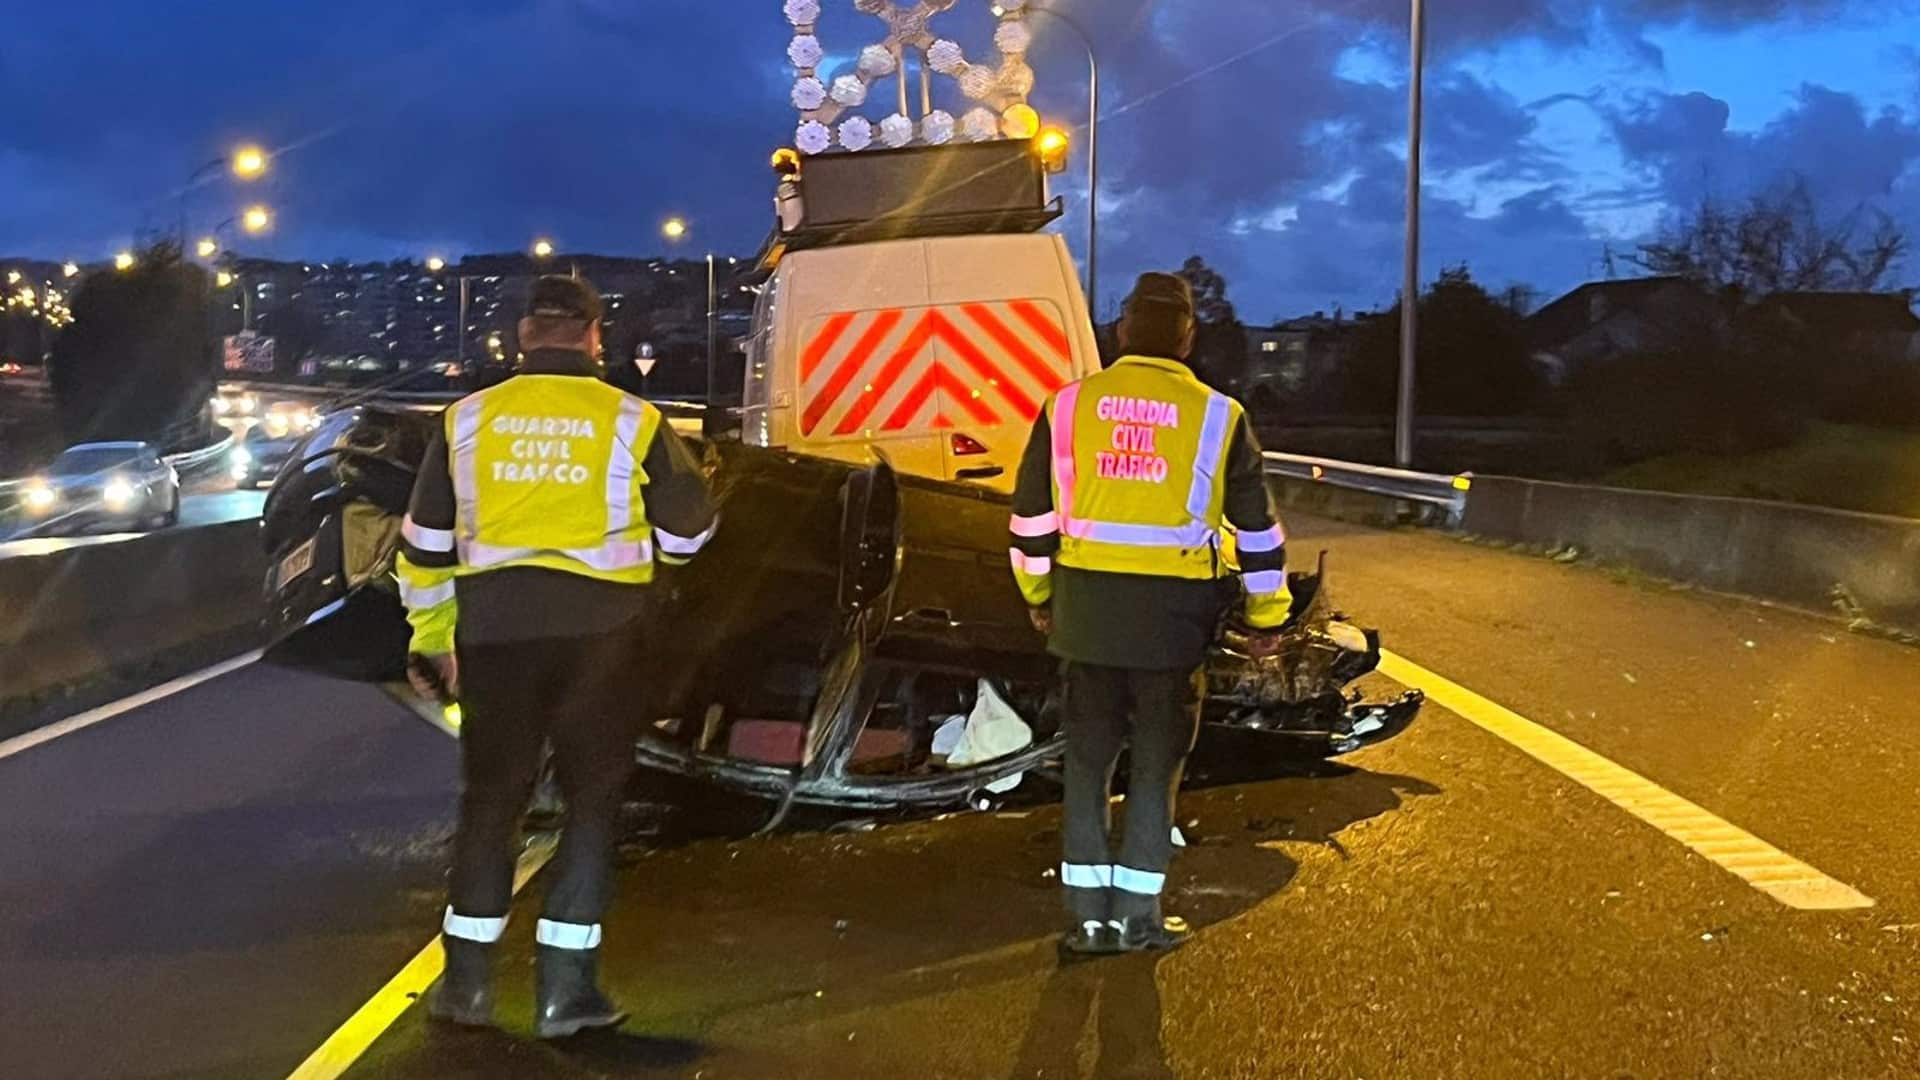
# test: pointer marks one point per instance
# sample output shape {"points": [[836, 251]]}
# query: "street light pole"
{"points": [[1093, 153], [1410, 283], [713, 354]]}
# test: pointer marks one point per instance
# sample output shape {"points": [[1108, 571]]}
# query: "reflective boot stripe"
{"points": [[470, 928], [562, 935]]}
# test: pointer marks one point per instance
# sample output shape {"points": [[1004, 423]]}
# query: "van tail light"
{"points": [[967, 445]]}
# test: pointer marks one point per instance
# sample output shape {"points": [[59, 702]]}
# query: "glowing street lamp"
{"points": [[256, 219], [543, 248], [222, 279], [435, 264], [249, 162], [208, 247], [674, 229], [123, 261], [71, 270], [13, 277]]}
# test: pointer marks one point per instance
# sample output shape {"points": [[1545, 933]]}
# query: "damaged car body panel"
{"points": [[841, 617]]}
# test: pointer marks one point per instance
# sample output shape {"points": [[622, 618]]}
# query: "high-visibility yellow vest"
{"points": [[1139, 470], [547, 473]]}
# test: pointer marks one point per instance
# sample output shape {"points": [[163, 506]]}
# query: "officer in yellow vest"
{"points": [[1118, 515], [535, 525]]}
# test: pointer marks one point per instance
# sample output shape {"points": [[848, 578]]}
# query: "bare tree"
{"points": [[1776, 243]]}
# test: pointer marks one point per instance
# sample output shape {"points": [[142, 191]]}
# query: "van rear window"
{"points": [[868, 374]]}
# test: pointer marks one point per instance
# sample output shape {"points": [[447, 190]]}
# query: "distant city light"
{"points": [[436, 264], [223, 279], [13, 277], [674, 228], [71, 270], [543, 248], [207, 247], [123, 261]]}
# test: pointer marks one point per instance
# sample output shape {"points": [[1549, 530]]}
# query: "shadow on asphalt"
{"points": [[1122, 997], [843, 953]]}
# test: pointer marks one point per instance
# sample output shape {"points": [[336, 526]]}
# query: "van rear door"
{"points": [[949, 387]]}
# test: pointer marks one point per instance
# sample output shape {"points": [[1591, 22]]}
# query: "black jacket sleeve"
{"points": [[679, 504], [427, 532]]}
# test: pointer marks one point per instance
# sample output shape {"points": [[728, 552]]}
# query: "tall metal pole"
{"points": [[713, 354], [460, 355], [1410, 284], [1093, 153]]}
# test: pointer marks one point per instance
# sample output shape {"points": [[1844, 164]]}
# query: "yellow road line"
{"points": [[1733, 849], [352, 1039]]}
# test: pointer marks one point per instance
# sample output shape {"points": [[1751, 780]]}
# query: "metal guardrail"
{"points": [[1443, 490]]}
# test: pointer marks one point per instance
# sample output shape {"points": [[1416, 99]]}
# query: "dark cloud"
{"points": [[1849, 156]]}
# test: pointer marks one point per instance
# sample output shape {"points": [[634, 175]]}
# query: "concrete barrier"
{"points": [[1858, 565], [81, 614]]}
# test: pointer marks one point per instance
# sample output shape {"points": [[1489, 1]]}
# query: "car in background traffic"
{"points": [[257, 457], [234, 405], [126, 485]]}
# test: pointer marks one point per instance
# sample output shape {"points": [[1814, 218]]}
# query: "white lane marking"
{"points": [[1733, 849], [354, 1037], [81, 721]]}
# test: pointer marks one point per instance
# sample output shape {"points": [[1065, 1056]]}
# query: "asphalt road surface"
{"points": [[198, 506], [215, 882]]}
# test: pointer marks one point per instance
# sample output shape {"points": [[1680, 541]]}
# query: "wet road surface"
{"points": [[1443, 905]]}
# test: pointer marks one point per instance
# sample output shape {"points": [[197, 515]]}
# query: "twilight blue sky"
{"points": [[1266, 135]]}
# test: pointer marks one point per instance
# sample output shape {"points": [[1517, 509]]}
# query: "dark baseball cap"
{"points": [[1163, 293], [557, 297]]}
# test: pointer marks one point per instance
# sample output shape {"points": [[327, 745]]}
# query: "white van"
{"points": [[936, 351]]}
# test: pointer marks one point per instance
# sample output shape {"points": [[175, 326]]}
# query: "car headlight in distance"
{"points": [[248, 403], [118, 493], [40, 497], [221, 406]]}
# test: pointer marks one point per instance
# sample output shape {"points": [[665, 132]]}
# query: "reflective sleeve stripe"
{"points": [[1212, 455], [610, 556], [469, 928], [1265, 582], [1265, 540], [1191, 535], [426, 539], [422, 597], [1037, 566], [1038, 525], [673, 544], [620, 464], [1139, 882], [1065, 404], [561, 935], [1086, 876]]}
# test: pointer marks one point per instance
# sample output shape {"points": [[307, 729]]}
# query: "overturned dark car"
{"points": [[851, 639]]}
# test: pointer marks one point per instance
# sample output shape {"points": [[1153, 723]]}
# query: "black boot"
{"points": [[1151, 932], [465, 993], [568, 998], [1093, 937]]}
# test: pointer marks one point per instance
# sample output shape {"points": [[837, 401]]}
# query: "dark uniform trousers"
{"points": [[1157, 713], [577, 693]]}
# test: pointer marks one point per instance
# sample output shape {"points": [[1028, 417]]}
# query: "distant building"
{"points": [[401, 315], [1605, 319], [1288, 361], [1880, 326]]}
